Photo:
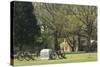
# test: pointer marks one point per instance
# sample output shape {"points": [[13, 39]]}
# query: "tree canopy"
{"points": [[67, 20]]}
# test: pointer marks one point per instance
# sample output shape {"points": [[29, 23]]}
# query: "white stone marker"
{"points": [[45, 53]]}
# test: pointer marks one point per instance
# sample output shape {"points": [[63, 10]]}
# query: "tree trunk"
{"points": [[72, 49], [75, 45], [56, 47], [79, 43], [88, 44]]}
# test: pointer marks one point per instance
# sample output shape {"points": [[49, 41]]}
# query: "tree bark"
{"points": [[88, 49], [56, 47], [79, 43]]}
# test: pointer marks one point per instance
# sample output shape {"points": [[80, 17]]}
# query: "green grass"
{"points": [[77, 57]]}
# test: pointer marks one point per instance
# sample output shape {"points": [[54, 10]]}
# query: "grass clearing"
{"points": [[77, 57]]}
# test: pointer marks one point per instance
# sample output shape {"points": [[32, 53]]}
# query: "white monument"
{"points": [[45, 53]]}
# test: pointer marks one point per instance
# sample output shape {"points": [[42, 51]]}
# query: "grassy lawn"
{"points": [[75, 57]]}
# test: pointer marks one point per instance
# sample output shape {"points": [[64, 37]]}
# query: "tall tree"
{"points": [[88, 16], [25, 25]]}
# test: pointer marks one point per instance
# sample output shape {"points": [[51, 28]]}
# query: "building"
{"points": [[65, 46]]}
